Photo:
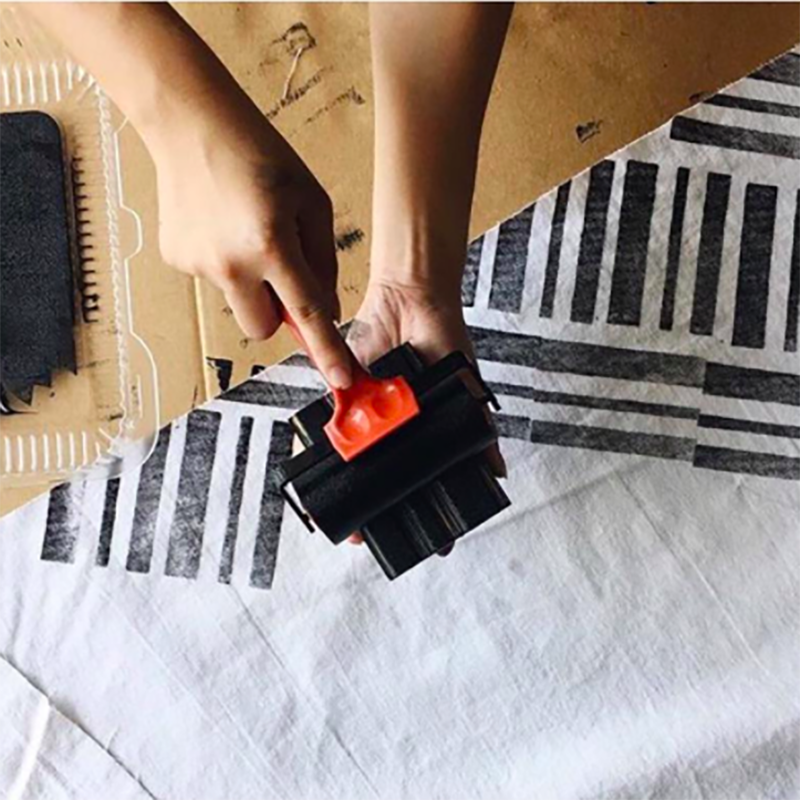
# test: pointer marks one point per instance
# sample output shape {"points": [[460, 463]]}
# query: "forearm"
{"points": [[433, 69], [154, 66]]}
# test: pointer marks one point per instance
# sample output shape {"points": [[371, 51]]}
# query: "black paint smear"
{"points": [[148, 498], [749, 426], [785, 69], [581, 358], [235, 501], [270, 518], [767, 465], [107, 523], [554, 251], [755, 261], [188, 522], [633, 238], [588, 437], [723, 380], [469, 284], [593, 237], [793, 300], [63, 522], [674, 249], [729, 137], [36, 282], [709, 257], [348, 239], [758, 106], [224, 369], [588, 130], [510, 261], [586, 401], [277, 395]]}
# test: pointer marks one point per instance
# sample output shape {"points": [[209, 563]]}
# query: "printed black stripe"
{"points": [[611, 441], [633, 238], [749, 104], [107, 523], [509, 427], [148, 498], [709, 257], [587, 359], [767, 465], [593, 237], [585, 401], [271, 515], [277, 395], [696, 131], [511, 258], [755, 259], [554, 251], [785, 69], [235, 501], [62, 526], [188, 523], [793, 301], [752, 384], [469, 284], [748, 426], [674, 250]]}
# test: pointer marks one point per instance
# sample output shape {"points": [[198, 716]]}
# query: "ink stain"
{"points": [[224, 369], [352, 95], [349, 238], [588, 130]]}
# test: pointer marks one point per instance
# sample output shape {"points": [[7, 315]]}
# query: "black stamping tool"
{"points": [[399, 457]]}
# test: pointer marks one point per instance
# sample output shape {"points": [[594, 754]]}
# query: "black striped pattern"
{"points": [[188, 525]]}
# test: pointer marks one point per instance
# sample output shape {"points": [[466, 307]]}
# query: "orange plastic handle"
{"points": [[368, 411]]}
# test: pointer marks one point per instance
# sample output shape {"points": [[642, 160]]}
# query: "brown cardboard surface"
{"points": [[576, 82]]}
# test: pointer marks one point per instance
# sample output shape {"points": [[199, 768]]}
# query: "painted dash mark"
{"points": [[508, 277], [61, 528], [148, 499], [674, 249], [593, 238], [633, 239], [755, 261], [188, 522], [107, 523], [236, 495], [793, 300], [709, 257], [469, 284], [265, 552], [554, 251]]}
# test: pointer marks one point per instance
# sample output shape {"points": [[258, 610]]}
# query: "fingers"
{"points": [[305, 301], [253, 307], [319, 248]]}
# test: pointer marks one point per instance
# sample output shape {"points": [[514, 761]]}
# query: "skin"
{"points": [[238, 206]]}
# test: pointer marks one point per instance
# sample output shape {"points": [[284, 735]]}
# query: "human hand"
{"points": [[238, 207], [392, 314]]}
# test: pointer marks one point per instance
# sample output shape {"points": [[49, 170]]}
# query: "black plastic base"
{"points": [[418, 490]]}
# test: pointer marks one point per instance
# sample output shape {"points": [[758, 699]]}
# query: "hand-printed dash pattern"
{"points": [[63, 523], [593, 237], [630, 266], [272, 506], [235, 502], [188, 522], [674, 249], [508, 278], [554, 250]]}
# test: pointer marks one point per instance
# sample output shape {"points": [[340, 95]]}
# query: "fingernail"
{"points": [[339, 378], [445, 551]]}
